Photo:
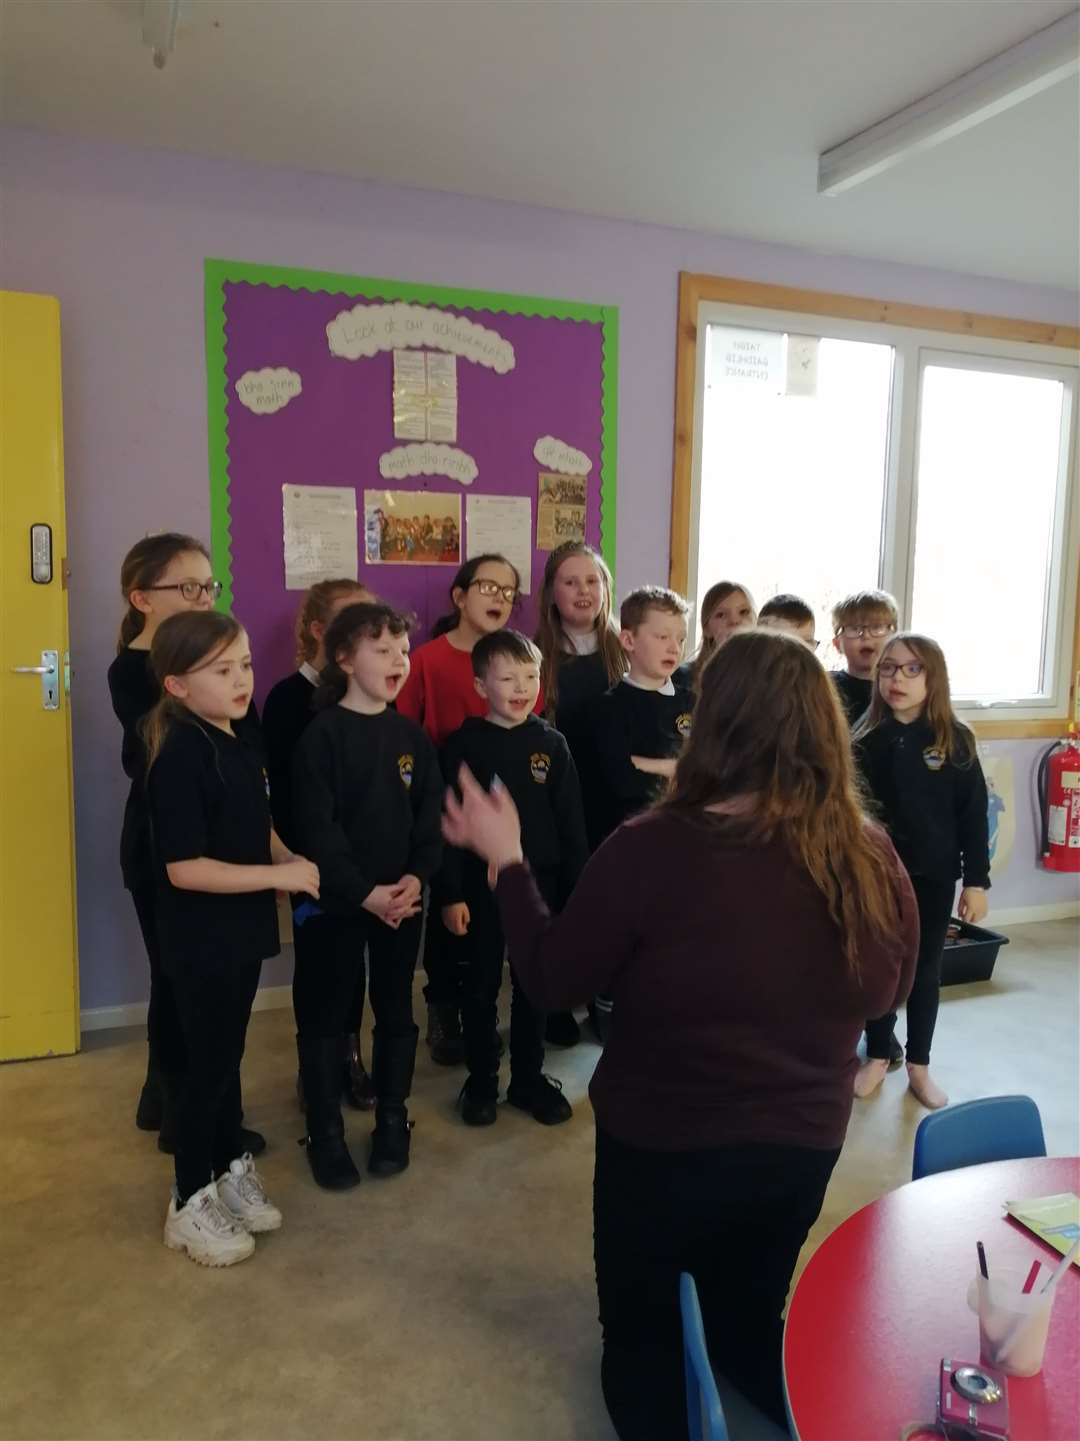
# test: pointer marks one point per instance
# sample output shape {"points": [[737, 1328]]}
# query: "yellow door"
{"points": [[39, 987]]}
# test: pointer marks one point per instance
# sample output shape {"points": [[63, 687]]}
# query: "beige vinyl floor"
{"points": [[455, 1302]]}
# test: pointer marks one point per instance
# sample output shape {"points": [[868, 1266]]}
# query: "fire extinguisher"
{"points": [[1059, 804]]}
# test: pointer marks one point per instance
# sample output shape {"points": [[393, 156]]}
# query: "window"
{"points": [[832, 454]]}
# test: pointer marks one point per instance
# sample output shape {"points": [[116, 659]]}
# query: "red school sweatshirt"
{"points": [[439, 693]]}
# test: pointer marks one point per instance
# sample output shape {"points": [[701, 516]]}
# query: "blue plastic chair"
{"points": [[706, 1414], [998, 1128]]}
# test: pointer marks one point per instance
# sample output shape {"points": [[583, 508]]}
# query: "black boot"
{"points": [[392, 1065], [148, 1111], [562, 1029], [327, 1153], [444, 1035], [357, 1086]]}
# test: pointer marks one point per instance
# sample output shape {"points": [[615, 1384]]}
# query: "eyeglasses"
{"points": [[911, 668], [491, 588], [856, 632], [192, 589]]}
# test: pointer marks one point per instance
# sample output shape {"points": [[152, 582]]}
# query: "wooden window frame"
{"points": [[694, 289]]}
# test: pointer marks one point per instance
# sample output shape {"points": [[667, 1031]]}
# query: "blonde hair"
{"points": [[184, 643], [951, 737], [315, 610], [550, 636], [714, 598], [862, 604], [768, 725], [143, 566]]}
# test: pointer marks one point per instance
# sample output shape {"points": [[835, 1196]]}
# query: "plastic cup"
{"points": [[1012, 1327]]}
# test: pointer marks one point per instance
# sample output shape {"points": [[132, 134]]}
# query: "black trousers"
{"points": [[163, 1033], [330, 970], [213, 1001], [935, 900], [302, 942], [444, 960], [485, 948], [735, 1218]]}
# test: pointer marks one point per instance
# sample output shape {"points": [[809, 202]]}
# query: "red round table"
{"points": [[884, 1298]]}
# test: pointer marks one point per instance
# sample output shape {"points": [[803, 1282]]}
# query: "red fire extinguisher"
{"points": [[1059, 804]]}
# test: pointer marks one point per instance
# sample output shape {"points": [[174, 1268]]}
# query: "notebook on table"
{"points": [[1054, 1219]]}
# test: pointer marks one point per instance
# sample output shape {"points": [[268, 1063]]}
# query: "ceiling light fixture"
{"points": [[159, 19], [1044, 59]]}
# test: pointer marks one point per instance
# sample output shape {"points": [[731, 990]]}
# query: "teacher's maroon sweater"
{"points": [[736, 1016]]}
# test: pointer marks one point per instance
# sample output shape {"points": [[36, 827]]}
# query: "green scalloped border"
{"points": [[217, 272]]}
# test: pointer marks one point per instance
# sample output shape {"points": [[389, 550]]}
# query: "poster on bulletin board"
{"points": [[371, 426]]}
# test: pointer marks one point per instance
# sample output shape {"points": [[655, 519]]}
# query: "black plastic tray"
{"points": [[971, 956]]}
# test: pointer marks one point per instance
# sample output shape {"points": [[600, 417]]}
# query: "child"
{"points": [[533, 762], [922, 769], [219, 863], [790, 613], [582, 657], [367, 802], [286, 714], [727, 607], [439, 695], [861, 623], [639, 725], [161, 576]]}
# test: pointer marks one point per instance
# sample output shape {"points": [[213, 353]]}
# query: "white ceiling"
{"points": [[707, 115]]}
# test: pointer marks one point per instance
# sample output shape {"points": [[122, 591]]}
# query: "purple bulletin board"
{"points": [[562, 383]]}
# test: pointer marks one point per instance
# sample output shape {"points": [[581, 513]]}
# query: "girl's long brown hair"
{"points": [[186, 642], [769, 732], [951, 737], [315, 609], [715, 596], [143, 566], [550, 636]]}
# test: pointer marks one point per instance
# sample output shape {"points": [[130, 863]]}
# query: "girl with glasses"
{"points": [[439, 695], [921, 767], [161, 576]]}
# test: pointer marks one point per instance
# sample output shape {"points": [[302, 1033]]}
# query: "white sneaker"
{"points": [[206, 1230], [242, 1192]]}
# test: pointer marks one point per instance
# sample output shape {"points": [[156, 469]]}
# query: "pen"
{"points": [[1066, 1262], [1030, 1282], [982, 1261]]}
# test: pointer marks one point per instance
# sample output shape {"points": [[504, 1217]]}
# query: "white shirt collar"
{"points": [[668, 688], [308, 671], [582, 642]]}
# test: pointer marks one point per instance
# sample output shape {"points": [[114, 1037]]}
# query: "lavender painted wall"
{"points": [[120, 236]]}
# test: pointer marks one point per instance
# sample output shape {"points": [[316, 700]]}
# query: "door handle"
{"points": [[49, 671]]}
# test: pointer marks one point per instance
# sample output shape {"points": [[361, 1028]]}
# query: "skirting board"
{"points": [[107, 1018], [273, 998], [1028, 915]]}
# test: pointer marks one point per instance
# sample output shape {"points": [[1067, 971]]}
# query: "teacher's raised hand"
{"points": [[483, 821]]}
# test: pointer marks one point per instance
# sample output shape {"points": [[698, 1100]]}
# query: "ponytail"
{"points": [[143, 566], [184, 643]]}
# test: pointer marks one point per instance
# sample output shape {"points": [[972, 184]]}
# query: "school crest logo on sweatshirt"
{"points": [[540, 766], [405, 768], [682, 724], [933, 758]]}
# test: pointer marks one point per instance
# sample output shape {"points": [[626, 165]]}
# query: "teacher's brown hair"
{"points": [[769, 756]]}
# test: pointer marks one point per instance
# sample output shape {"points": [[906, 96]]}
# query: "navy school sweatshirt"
{"points": [[366, 803], [533, 762], [629, 720]]}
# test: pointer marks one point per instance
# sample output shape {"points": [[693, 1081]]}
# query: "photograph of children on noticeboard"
{"points": [[412, 527]]}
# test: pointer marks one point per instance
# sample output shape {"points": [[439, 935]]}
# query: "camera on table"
{"points": [[973, 1402]]}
